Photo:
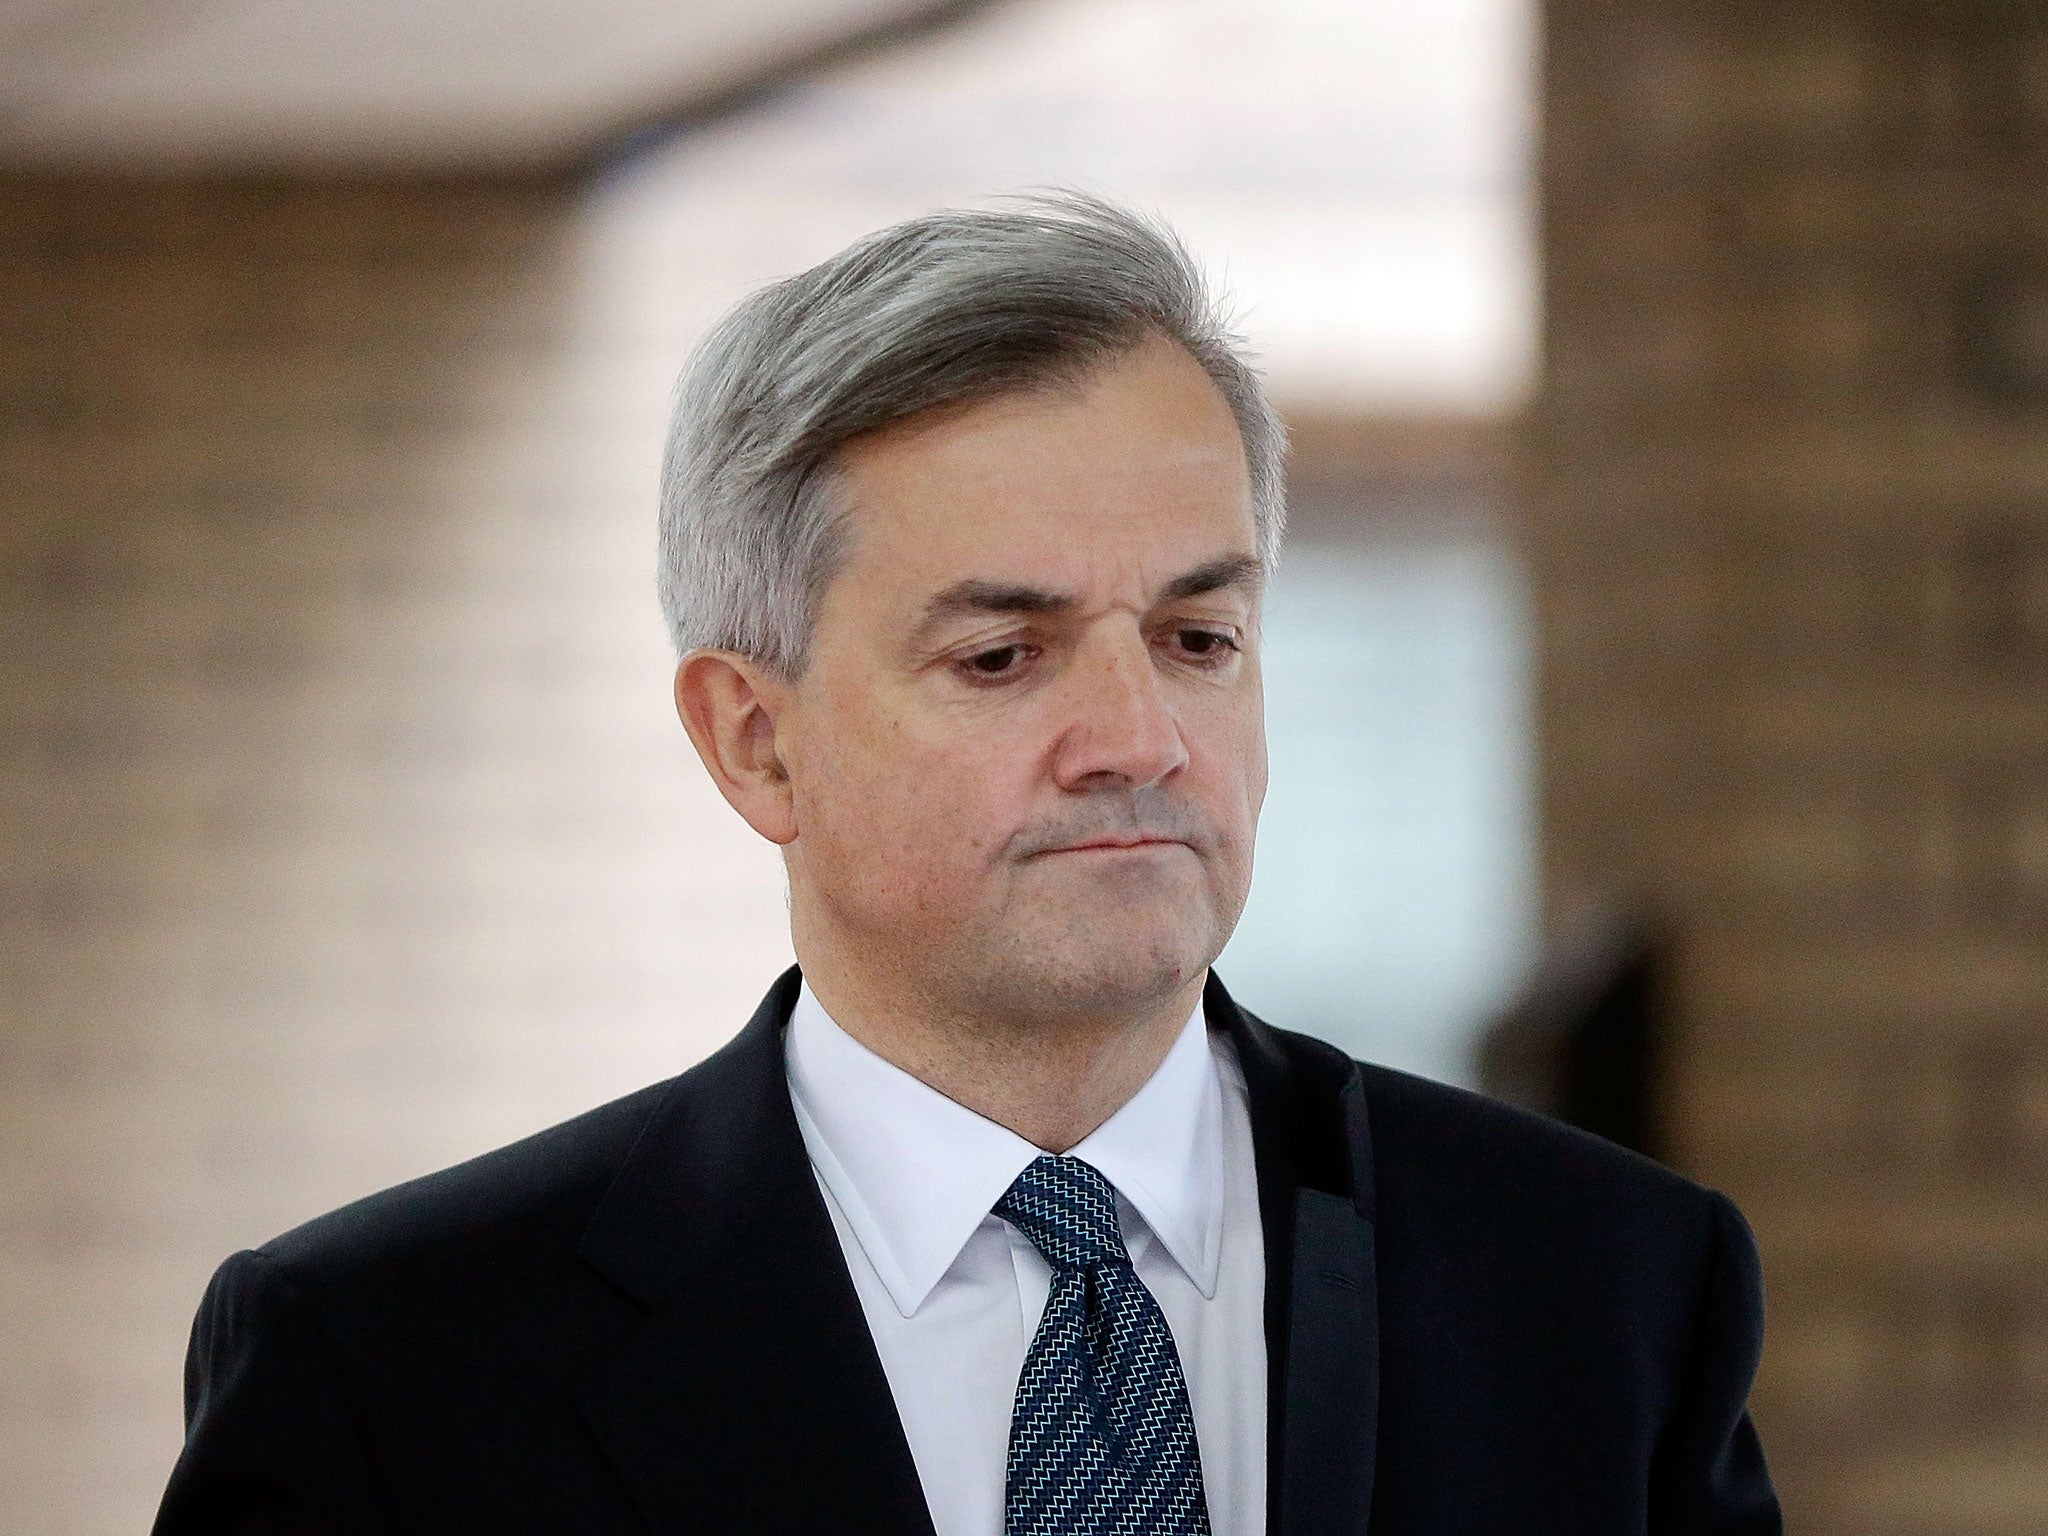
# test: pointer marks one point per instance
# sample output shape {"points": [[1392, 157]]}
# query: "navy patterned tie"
{"points": [[1102, 1441]]}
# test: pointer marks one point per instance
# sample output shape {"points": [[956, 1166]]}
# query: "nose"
{"points": [[1121, 732]]}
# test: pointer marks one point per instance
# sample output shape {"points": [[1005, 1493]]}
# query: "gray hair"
{"points": [[946, 309]]}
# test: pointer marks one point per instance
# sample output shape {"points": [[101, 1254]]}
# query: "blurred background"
{"points": [[1658, 672]]}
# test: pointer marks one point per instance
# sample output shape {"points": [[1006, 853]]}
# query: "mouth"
{"points": [[1119, 845]]}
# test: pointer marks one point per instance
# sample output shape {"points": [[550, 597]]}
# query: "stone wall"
{"points": [[1789, 523], [345, 826]]}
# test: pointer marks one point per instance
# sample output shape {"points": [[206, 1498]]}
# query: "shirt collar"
{"points": [[915, 1173]]}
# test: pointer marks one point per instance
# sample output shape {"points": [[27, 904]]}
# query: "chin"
{"points": [[1088, 970]]}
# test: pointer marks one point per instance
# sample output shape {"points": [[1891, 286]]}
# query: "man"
{"points": [[1000, 1217]]}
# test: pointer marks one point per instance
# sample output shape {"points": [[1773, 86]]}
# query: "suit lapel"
{"points": [[1313, 1147], [750, 1398]]}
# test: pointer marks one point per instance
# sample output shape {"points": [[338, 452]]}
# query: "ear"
{"points": [[730, 706]]}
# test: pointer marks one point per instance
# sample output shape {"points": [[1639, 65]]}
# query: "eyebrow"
{"points": [[1225, 573], [978, 595]]}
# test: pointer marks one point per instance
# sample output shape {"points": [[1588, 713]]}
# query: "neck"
{"points": [[1052, 1081]]}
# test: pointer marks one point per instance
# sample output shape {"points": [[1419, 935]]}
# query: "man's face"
{"points": [[1027, 756]]}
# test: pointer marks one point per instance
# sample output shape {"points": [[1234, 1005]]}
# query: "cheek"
{"points": [[1255, 795], [921, 811], [1233, 769]]}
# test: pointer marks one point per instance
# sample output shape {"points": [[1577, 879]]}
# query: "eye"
{"points": [[997, 661], [1204, 644]]}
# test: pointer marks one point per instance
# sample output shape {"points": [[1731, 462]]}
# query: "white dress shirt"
{"points": [[953, 1294]]}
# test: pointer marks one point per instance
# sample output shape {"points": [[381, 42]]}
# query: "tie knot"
{"points": [[1068, 1209]]}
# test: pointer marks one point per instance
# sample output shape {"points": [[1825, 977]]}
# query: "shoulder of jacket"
{"points": [[540, 1189], [1430, 1132], [1434, 1134]]}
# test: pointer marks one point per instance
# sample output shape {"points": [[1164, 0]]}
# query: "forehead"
{"points": [[1137, 462]]}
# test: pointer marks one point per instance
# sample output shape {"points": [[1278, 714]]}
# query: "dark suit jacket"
{"points": [[640, 1321]]}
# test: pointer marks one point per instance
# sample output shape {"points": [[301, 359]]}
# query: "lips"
{"points": [[1114, 829], [1118, 844]]}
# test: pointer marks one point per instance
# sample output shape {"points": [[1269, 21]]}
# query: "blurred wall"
{"points": [[1790, 533], [345, 826]]}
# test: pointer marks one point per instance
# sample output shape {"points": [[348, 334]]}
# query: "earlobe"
{"points": [[732, 710]]}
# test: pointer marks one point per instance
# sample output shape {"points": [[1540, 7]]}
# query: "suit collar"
{"points": [[689, 1190], [1317, 1202]]}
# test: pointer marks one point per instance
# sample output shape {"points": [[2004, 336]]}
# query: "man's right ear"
{"points": [[731, 706]]}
